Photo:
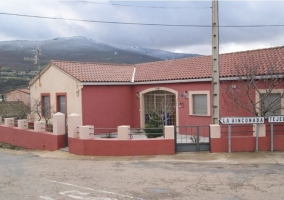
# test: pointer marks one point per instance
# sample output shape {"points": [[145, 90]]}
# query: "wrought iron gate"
{"points": [[192, 138]]}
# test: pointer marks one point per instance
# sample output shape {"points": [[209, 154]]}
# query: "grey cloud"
{"points": [[231, 13]]}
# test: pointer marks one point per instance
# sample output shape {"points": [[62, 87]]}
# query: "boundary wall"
{"points": [[38, 138], [31, 139], [82, 142], [244, 143]]}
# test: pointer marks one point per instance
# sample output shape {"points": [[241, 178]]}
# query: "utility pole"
{"points": [[36, 58], [215, 63]]}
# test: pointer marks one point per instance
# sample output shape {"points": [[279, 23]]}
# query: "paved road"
{"points": [[27, 176]]}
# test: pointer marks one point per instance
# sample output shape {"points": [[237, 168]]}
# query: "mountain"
{"points": [[18, 55], [157, 53]]}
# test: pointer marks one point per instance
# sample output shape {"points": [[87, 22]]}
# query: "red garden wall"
{"points": [[246, 144], [30, 139], [114, 147]]}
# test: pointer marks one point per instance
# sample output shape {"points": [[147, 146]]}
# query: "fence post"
{"points": [[86, 132], [23, 124], [123, 132], [259, 130], [58, 123], [0, 120], [229, 138], [39, 126], [9, 122], [74, 122], [197, 138], [215, 131], [170, 132], [271, 138]]}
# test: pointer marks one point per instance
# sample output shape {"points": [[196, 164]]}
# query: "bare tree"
{"points": [[162, 110], [255, 89], [46, 112]]}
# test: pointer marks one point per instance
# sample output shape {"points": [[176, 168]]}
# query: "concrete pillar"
{"points": [[74, 122], [23, 124], [59, 124], [39, 126], [169, 132], [123, 132], [9, 122], [215, 131], [261, 130], [86, 132]]}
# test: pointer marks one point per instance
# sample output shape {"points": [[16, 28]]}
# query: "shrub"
{"points": [[153, 127]]}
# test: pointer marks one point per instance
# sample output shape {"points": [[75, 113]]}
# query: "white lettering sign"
{"points": [[277, 119], [242, 120]]}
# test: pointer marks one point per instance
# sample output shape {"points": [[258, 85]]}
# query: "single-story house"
{"points": [[18, 95], [178, 91]]}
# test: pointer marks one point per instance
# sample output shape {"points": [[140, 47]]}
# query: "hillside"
{"points": [[18, 55]]}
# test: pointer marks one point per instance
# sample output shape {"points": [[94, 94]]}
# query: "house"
{"points": [[18, 95], [178, 91]]}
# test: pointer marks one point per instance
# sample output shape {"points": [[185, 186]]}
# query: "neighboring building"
{"points": [[109, 95], [18, 95]]}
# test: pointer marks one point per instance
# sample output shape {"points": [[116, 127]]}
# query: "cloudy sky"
{"points": [[187, 39]]}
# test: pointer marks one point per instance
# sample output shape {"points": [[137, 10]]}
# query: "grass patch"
{"points": [[9, 146]]}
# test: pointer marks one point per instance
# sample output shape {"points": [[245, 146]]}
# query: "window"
{"points": [[61, 103], [160, 105], [199, 103], [45, 105], [270, 104]]}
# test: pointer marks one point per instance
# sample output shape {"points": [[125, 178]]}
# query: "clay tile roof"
{"points": [[187, 68], [201, 67], [24, 90], [96, 72]]}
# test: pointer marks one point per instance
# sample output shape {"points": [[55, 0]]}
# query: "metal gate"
{"points": [[192, 138]]}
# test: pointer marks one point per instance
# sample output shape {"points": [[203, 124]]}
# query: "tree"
{"points": [[159, 110], [255, 89], [46, 112]]}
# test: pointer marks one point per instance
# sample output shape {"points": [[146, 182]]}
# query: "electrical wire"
{"points": [[142, 24], [139, 6]]}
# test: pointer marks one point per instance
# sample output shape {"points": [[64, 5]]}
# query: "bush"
{"points": [[153, 127]]}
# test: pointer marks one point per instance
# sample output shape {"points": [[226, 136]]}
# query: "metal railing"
{"points": [[105, 132], [237, 130], [155, 132]]}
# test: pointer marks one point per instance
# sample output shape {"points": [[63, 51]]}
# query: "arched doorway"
{"points": [[160, 104]]}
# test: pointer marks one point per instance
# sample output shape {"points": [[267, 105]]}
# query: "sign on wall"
{"points": [[276, 119], [242, 120]]}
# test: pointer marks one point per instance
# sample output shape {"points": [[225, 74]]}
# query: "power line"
{"points": [[139, 6], [143, 24]]}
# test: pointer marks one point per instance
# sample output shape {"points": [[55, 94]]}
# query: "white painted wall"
{"points": [[53, 81]]}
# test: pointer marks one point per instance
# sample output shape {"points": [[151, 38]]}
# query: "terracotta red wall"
{"points": [[246, 144], [30, 139], [107, 106], [184, 117], [114, 147]]}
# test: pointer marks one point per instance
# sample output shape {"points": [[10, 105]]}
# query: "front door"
{"points": [[62, 107]]}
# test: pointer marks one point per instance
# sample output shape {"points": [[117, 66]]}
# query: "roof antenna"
{"points": [[36, 61]]}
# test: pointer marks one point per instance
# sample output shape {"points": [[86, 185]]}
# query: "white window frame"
{"points": [[263, 91], [190, 94]]}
